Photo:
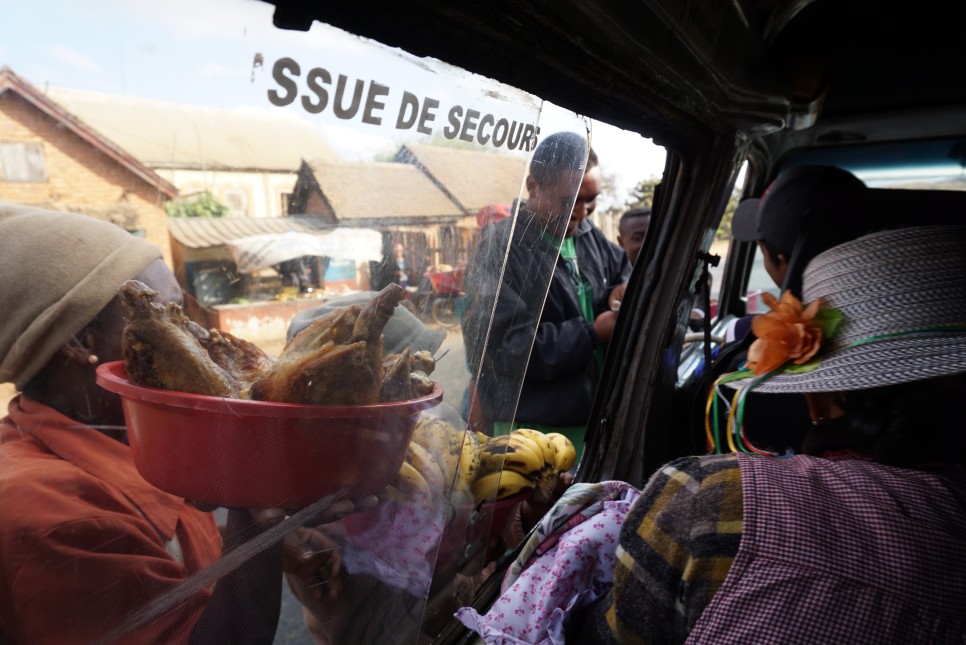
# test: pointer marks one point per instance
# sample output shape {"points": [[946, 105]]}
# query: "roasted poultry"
{"points": [[406, 375], [163, 348], [396, 382], [243, 360], [338, 359]]}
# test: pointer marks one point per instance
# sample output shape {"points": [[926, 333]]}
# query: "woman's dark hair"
{"points": [[560, 152], [909, 425]]}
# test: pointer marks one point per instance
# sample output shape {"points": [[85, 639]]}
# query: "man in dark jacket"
{"points": [[551, 238]]}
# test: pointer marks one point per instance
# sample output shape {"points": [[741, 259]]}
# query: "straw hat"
{"points": [[902, 297]]}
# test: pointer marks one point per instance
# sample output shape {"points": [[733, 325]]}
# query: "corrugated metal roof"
{"points": [[381, 190], [474, 178], [204, 232], [164, 134]]}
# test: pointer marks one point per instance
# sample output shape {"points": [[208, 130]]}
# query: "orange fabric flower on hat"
{"points": [[786, 333]]}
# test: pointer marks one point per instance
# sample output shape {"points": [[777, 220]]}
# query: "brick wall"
{"points": [[79, 177]]}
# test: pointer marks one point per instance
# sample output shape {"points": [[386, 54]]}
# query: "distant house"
{"points": [[471, 178], [248, 160], [398, 199], [50, 158]]}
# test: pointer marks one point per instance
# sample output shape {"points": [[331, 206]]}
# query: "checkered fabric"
{"points": [[735, 549], [844, 551]]}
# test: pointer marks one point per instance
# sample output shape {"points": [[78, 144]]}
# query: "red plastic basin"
{"points": [[259, 454]]}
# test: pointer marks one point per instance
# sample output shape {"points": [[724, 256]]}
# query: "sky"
{"points": [[203, 52]]}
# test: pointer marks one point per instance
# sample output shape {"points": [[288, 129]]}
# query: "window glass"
{"points": [[722, 245], [923, 170], [384, 205]]}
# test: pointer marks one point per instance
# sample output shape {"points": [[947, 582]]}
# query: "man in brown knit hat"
{"points": [[85, 541]]}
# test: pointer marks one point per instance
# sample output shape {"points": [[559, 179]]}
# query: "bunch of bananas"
{"points": [[439, 456], [525, 459], [480, 467]]}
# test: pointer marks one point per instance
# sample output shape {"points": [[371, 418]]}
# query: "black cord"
{"points": [[703, 288]]}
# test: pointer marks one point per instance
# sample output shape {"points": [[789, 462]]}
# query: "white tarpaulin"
{"points": [[260, 251]]}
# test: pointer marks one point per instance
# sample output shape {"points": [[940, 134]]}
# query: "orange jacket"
{"points": [[84, 540]]}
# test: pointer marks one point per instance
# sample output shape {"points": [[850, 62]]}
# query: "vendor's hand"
{"points": [[604, 326], [313, 561], [616, 296], [532, 512]]}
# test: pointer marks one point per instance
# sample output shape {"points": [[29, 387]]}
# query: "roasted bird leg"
{"points": [[396, 370], [245, 362], [163, 348], [296, 371], [336, 359], [374, 317], [423, 361]]}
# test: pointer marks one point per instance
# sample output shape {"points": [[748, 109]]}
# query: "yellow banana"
{"points": [[442, 441], [432, 432], [469, 458], [426, 465], [513, 453], [462, 494], [566, 455], [546, 446], [499, 485], [524, 455], [410, 481]]}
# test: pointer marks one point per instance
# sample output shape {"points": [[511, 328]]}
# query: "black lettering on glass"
{"points": [[453, 128], [408, 109], [513, 142], [528, 137], [480, 136], [315, 75], [469, 125], [427, 116], [281, 66], [349, 112], [375, 91], [500, 132]]}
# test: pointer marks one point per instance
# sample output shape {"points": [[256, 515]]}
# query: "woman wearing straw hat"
{"points": [[862, 538]]}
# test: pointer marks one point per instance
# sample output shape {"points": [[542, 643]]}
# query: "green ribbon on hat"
{"points": [[805, 368]]}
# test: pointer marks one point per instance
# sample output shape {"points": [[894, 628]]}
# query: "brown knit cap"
{"points": [[57, 271]]}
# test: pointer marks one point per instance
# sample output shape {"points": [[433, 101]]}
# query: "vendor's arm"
{"points": [[245, 604], [677, 546]]}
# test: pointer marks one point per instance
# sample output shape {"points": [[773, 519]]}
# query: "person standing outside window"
{"points": [[552, 235], [632, 229]]}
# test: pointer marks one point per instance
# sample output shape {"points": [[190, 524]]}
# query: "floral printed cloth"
{"points": [[567, 562], [396, 543]]}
